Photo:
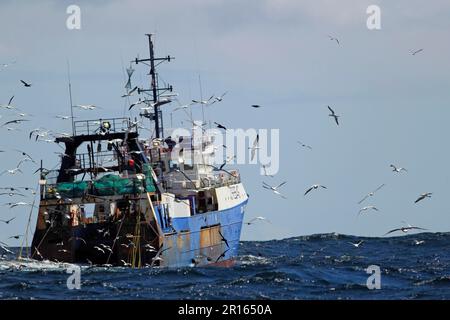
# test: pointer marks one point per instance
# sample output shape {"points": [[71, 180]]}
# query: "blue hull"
{"points": [[203, 239]]}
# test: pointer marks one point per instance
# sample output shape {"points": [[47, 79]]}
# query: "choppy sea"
{"points": [[322, 266]]}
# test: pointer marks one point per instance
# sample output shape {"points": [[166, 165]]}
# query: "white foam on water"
{"points": [[25, 264]]}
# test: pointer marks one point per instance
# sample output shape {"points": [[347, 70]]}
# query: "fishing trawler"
{"points": [[121, 200]]}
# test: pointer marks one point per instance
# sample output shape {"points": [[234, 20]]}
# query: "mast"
{"points": [[154, 88], [153, 84]]}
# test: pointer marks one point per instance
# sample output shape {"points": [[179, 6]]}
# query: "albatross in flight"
{"points": [[404, 229], [416, 52], [397, 169], [423, 196], [334, 115], [362, 210], [254, 147], [257, 219], [220, 98], [275, 189], [334, 39], [357, 244], [25, 84], [370, 194], [86, 107], [304, 145], [314, 187]]}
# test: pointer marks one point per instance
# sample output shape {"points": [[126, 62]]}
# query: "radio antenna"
{"points": [[70, 97]]}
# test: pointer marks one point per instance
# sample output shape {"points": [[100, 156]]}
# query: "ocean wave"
{"points": [[321, 266]]}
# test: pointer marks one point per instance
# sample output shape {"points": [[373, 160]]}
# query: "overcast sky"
{"points": [[276, 53]]}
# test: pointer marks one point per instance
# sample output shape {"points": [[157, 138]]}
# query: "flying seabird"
{"points": [[26, 84], [62, 117], [274, 189], [126, 264], [227, 160], [265, 172], [357, 244], [334, 39], [25, 154], [222, 255], [367, 208], [77, 238], [395, 169], [204, 102], [16, 236], [255, 147], [333, 114], [183, 107], [16, 204], [404, 229], [11, 171], [6, 65], [304, 145], [223, 239], [314, 187], [220, 98], [423, 196], [130, 93], [7, 221], [220, 126], [86, 107], [107, 248], [8, 106], [416, 52], [99, 249], [12, 194], [3, 247], [16, 121], [370, 194], [257, 219]]}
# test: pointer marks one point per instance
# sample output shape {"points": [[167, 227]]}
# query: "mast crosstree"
{"points": [[155, 90]]}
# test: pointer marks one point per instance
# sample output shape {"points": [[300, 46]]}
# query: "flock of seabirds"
{"points": [[19, 117]]}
